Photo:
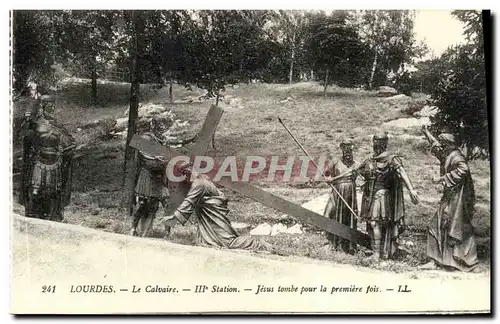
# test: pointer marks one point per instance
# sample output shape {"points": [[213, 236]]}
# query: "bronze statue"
{"points": [[211, 208], [47, 163], [150, 185], [345, 186], [382, 205], [450, 237]]}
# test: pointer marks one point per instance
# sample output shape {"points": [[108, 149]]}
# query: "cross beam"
{"points": [[304, 214], [203, 140], [179, 190]]}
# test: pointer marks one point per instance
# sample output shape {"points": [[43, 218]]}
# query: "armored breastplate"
{"points": [[49, 139], [383, 176], [151, 164], [377, 175]]}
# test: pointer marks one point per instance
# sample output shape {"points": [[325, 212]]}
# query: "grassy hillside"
{"points": [[250, 128]]}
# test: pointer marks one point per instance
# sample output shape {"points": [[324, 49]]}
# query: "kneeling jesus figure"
{"points": [[210, 206]]}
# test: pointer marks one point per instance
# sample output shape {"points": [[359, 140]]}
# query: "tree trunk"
{"points": [[170, 93], [129, 175], [212, 144], [94, 84], [292, 59], [374, 67], [312, 75], [325, 86], [159, 77]]}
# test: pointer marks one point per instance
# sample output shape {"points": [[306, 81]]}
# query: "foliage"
{"points": [[211, 48], [391, 38], [87, 36], [335, 46], [288, 30], [460, 92], [220, 47], [35, 48]]}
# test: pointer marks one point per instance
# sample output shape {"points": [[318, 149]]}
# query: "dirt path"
{"points": [[47, 253]]}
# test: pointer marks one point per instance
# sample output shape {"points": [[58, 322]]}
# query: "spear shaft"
{"points": [[318, 168]]}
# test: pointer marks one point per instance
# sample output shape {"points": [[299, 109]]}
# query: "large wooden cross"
{"points": [[201, 145]]}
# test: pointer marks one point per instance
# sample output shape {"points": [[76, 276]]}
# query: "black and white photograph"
{"points": [[264, 161]]}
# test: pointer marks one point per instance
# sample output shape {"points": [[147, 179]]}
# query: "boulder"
{"points": [[427, 111], [278, 228], [101, 127], [414, 106], [261, 230], [407, 122], [121, 124], [385, 91], [287, 100], [191, 99], [400, 97], [295, 229], [148, 110]]}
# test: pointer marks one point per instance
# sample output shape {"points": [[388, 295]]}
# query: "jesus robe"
{"points": [[452, 221], [214, 229]]}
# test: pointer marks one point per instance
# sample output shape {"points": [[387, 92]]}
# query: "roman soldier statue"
{"points": [[48, 150], [150, 185], [346, 186], [382, 205]]}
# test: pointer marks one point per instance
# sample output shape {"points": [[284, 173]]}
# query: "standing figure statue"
{"points": [[382, 204], [450, 239], [150, 186], [48, 150], [211, 208], [336, 209]]}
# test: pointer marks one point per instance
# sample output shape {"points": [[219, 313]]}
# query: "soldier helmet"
{"points": [[380, 137], [346, 143]]}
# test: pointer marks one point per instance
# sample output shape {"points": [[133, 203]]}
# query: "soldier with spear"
{"points": [[343, 188], [382, 204], [346, 187]]}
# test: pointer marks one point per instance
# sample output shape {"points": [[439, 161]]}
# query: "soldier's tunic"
{"points": [[336, 209], [452, 220], [382, 200], [48, 146], [214, 229], [151, 183]]}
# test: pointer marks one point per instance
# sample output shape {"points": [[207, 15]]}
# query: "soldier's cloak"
{"points": [[387, 161]]}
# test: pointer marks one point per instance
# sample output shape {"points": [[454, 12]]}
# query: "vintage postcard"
{"points": [[250, 162]]}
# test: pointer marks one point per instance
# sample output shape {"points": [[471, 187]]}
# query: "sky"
{"points": [[439, 29]]}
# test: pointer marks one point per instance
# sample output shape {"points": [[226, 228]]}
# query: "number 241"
{"points": [[48, 289]]}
